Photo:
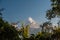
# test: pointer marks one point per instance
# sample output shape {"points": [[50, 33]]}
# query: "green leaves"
{"points": [[54, 11], [7, 32], [50, 14]]}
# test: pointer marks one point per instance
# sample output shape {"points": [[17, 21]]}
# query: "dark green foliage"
{"points": [[7, 31], [55, 10], [50, 14]]}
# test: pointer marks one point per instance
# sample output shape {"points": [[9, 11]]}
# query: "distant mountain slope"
{"points": [[34, 30]]}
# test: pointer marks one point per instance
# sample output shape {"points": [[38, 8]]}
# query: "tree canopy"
{"points": [[7, 31], [55, 10]]}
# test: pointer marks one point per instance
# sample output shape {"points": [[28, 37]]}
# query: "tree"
{"points": [[56, 6], [56, 34], [50, 14], [42, 28], [58, 23], [7, 31], [26, 31], [46, 26], [32, 37], [1, 20], [55, 10]]}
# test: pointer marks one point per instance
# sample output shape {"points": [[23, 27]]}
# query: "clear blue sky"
{"points": [[16, 10]]}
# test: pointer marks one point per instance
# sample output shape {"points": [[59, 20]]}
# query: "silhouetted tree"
{"points": [[55, 10], [7, 31]]}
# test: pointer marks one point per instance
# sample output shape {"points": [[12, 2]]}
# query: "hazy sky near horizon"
{"points": [[16, 10]]}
